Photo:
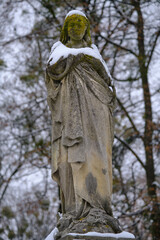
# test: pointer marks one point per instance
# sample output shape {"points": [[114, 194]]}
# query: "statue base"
{"points": [[96, 221], [96, 225]]}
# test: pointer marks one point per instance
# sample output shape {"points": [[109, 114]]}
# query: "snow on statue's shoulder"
{"points": [[59, 50]]}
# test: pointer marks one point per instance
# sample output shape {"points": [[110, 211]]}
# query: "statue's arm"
{"points": [[58, 70]]}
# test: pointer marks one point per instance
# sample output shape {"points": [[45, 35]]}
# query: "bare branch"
{"points": [[27, 36], [119, 46], [131, 150], [135, 213], [9, 180], [153, 48], [124, 16], [129, 118]]}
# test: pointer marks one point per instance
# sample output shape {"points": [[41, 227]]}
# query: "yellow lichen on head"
{"points": [[78, 23]]}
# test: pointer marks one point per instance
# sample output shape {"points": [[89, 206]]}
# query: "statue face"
{"points": [[77, 27]]}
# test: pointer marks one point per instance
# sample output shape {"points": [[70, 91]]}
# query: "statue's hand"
{"points": [[53, 66], [58, 67], [79, 58]]}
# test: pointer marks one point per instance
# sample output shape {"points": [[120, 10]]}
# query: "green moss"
{"points": [[2, 64], [23, 227], [21, 230], [89, 229], [39, 143], [70, 21], [1, 230], [40, 222], [7, 212], [11, 234], [44, 203], [76, 23], [27, 78], [29, 234]]}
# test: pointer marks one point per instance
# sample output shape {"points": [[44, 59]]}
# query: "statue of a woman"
{"points": [[81, 100]]}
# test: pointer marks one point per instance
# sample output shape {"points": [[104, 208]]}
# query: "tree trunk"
{"points": [[148, 131]]}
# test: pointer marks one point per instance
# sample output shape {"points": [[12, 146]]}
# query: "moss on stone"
{"points": [[7, 211], [11, 234], [70, 20]]}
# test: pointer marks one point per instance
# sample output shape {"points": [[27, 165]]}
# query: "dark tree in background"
{"points": [[127, 35]]}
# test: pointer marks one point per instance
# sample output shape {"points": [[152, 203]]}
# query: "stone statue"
{"points": [[81, 99]]}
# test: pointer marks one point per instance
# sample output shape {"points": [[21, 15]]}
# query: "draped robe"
{"points": [[81, 104]]}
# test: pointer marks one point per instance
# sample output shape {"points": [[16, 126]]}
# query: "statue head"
{"points": [[77, 27]]}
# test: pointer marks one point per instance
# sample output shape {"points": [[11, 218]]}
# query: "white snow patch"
{"points": [[59, 50], [52, 234], [60, 215], [115, 235], [77, 12]]}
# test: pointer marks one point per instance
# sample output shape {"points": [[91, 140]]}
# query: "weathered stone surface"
{"points": [[92, 235], [96, 221], [81, 102]]}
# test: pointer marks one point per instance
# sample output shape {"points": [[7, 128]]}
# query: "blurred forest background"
{"points": [[127, 33]]}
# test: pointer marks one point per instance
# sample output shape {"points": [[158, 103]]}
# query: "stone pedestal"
{"points": [[91, 236], [96, 221], [96, 225]]}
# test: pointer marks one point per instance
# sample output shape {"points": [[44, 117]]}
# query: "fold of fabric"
{"points": [[82, 132]]}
